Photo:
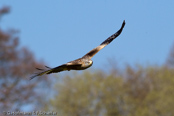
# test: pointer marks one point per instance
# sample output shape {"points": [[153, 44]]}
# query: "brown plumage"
{"points": [[81, 63]]}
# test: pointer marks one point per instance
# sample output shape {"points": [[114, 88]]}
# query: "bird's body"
{"points": [[81, 63]]}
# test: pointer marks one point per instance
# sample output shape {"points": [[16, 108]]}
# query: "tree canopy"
{"points": [[16, 63], [136, 92], [132, 91]]}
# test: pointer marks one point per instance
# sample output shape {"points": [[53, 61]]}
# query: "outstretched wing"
{"points": [[51, 70], [106, 42], [73, 65]]}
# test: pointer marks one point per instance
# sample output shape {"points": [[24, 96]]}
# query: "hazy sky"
{"points": [[58, 31]]}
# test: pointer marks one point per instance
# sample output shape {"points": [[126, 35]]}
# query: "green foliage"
{"points": [[137, 92]]}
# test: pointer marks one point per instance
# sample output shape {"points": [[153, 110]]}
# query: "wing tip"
{"points": [[33, 77], [123, 24]]}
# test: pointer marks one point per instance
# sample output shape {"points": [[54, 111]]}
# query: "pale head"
{"points": [[87, 63]]}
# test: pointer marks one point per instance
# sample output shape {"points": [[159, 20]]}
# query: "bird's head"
{"points": [[88, 63]]}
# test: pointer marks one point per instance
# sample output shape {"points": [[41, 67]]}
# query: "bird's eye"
{"points": [[88, 62]]}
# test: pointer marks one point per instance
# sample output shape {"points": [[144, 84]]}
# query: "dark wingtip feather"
{"points": [[123, 24], [112, 37], [47, 67], [44, 71], [39, 69], [33, 76]]}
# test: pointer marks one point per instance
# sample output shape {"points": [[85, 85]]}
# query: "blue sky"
{"points": [[58, 31]]}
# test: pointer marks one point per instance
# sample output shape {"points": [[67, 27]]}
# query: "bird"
{"points": [[80, 63]]}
